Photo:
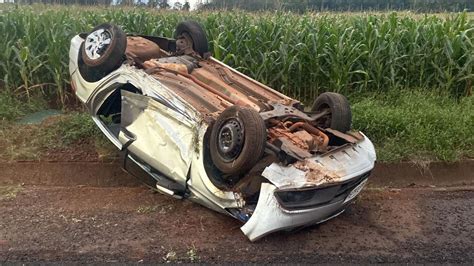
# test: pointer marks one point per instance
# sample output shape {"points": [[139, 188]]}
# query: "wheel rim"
{"points": [[97, 43], [184, 41], [325, 121], [230, 139]]}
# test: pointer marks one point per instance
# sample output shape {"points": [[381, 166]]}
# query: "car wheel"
{"points": [[102, 51], [339, 115], [238, 140], [194, 31]]}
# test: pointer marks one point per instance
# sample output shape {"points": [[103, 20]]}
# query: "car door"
{"points": [[157, 134]]}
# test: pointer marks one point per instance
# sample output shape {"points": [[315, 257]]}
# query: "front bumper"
{"points": [[346, 170], [270, 216]]}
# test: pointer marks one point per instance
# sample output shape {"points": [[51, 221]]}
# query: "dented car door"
{"points": [[157, 134]]}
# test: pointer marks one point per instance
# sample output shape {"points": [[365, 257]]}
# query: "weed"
{"points": [[28, 142], [12, 108], [104, 148], [193, 255], [146, 209], [171, 256], [9, 192], [417, 126], [69, 129]]}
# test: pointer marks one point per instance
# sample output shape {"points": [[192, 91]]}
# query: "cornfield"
{"points": [[300, 55]]}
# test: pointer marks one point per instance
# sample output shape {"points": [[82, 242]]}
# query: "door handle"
{"points": [[129, 136]]}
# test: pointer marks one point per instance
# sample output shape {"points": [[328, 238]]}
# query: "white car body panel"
{"points": [[172, 133], [338, 166]]}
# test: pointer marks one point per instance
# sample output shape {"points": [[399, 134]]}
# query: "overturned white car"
{"points": [[193, 127]]}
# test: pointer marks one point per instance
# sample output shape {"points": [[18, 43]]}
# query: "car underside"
{"points": [[198, 129]]}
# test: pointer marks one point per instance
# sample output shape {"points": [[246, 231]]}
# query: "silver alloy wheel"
{"points": [[96, 43]]}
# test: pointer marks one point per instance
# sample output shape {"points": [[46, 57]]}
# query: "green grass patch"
{"points": [[68, 129], [60, 133], [9, 192], [146, 209], [417, 126], [12, 107], [70, 133]]}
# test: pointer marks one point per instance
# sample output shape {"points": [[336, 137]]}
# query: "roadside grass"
{"points": [[417, 126], [12, 107], [147, 209], [9, 192], [162, 208], [69, 131], [405, 125], [191, 256]]}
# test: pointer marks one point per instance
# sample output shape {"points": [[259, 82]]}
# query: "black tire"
{"points": [[248, 143], [340, 115], [197, 34], [111, 56]]}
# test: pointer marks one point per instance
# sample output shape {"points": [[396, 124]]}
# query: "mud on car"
{"points": [[194, 128]]}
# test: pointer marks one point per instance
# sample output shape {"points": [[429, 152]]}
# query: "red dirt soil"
{"points": [[83, 224]]}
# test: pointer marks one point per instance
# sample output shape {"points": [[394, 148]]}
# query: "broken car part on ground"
{"points": [[192, 127]]}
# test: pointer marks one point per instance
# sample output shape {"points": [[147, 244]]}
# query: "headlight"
{"points": [[305, 198]]}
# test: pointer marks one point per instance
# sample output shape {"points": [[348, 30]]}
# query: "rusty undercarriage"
{"points": [[211, 87]]}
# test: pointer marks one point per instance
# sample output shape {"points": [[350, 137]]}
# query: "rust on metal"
{"points": [[301, 134], [291, 149], [198, 82], [204, 101], [347, 137], [356, 134], [316, 173], [211, 87], [308, 139], [306, 126], [213, 80], [242, 83], [153, 63], [142, 49]]}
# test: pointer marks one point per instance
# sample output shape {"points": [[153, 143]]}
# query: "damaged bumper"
{"points": [[270, 217], [300, 196]]}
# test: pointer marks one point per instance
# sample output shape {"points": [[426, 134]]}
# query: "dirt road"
{"points": [[82, 224]]}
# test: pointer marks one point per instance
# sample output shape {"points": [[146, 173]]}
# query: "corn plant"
{"points": [[299, 54]]}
